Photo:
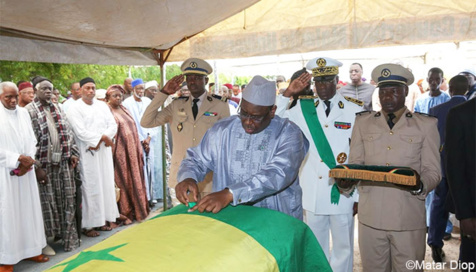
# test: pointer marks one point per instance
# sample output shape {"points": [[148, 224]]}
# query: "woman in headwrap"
{"points": [[128, 160]]}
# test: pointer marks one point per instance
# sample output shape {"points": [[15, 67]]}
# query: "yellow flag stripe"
{"points": [[182, 242]]}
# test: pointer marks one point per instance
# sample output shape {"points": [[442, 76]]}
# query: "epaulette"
{"points": [[424, 114], [308, 97], [224, 99], [353, 100], [362, 112], [181, 97]]}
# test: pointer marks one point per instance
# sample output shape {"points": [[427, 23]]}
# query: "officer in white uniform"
{"points": [[327, 122]]}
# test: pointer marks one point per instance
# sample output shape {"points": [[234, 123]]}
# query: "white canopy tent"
{"points": [[150, 32]]}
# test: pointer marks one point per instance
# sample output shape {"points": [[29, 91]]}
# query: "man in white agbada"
{"points": [[22, 234], [94, 128], [151, 140]]}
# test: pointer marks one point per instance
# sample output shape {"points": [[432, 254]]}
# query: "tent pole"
{"points": [[159, 57]]}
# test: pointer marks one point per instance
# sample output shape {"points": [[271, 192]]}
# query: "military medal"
{"points": [[342, 157], [179, 127]]}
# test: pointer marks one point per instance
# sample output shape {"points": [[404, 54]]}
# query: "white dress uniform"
{"points": [[321, 214]]}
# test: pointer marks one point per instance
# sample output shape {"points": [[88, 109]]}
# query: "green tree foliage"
{"points": [[63, 75]]}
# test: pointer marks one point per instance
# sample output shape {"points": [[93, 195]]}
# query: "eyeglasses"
{"points": [[256, 118]]}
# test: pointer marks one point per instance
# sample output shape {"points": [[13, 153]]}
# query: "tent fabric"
{"points": [[273, 27], [101, 26], [127, 31], [242, 238]]}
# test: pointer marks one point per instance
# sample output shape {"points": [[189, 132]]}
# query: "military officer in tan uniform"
{"points": [[189, 117], [392, 219]]}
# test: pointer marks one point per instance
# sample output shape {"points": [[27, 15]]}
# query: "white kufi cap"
{"points": [[260, 91]]}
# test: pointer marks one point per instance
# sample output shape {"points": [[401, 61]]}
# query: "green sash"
{"points": [[322, 145]]}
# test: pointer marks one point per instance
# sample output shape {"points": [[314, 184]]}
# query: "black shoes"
{"points": [[447, 236], [437, 254]]}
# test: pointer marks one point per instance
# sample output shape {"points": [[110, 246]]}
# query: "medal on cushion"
{"points": [[179, 127]]}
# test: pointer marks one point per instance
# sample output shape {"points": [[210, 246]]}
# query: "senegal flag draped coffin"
{"points": [[242, 238]]}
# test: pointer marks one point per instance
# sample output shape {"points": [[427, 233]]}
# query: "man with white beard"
{"points": [[22, 234]]}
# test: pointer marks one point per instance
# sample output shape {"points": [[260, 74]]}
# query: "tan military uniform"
{"points": [[186, 132], [413, 142]]}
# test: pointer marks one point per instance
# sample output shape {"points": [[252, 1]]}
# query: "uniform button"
{"points": [[320, 177], [371, 137], [388, 164], [194, 126], [391, 132], [239, 200], [388, 148], [325, 125], [411, 140], [193, 139], [322, 160]]}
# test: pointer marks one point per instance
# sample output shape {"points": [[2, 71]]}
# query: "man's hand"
{"points": [[468, 227], [22, 170], [146, 145], [298, 85], [107, 141], [214, 202], [173, 85], [41, 176], [74, 161], [187, 191], [345, 184], [26, 161]]}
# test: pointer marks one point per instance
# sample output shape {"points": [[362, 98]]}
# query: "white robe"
{"points": [[89, 123], [22, 234]]}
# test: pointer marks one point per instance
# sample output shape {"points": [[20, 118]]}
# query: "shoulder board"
{"points": [[362, 112], [421, 113], [224, 99], [353, 100], [181, 97], [307, 97]]}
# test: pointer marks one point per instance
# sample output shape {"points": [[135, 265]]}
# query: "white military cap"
{"points": [[469, 71], [100, 94], [260, 91], [196, 66], [152, 83], [392, 73], [323, 66]]}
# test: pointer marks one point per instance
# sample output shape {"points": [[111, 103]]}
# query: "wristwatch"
{"points": [[419, 191]]}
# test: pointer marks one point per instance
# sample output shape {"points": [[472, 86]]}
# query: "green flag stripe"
{"points": [[273, 230]]}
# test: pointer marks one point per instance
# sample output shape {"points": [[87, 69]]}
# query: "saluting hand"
{"points": [[298, 85], [173, 85]]}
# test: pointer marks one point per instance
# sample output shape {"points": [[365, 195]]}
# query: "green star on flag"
{"points": [[87, 256]]}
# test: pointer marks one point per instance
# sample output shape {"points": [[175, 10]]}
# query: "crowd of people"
{"points": [[95, 161]]}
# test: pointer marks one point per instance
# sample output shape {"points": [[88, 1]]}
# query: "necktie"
{"points": [[328, 105], [195, 108], [390, 123]]}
